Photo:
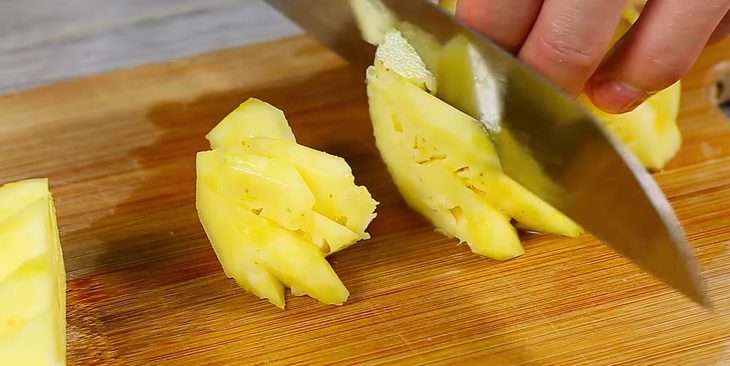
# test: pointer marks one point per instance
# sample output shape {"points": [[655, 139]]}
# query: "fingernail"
{"points": [[614, 96]]}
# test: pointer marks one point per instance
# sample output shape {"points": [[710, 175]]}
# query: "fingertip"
{"points": [[656, 52], [470, 12], [614, 96]]}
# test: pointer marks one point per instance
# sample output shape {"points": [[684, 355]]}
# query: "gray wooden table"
{"points": [[44, 41]]}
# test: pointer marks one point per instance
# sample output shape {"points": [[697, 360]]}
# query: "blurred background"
{"points": [[44, 41]]}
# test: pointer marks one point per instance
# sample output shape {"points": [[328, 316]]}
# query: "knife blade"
{"points": [[546, 140]]}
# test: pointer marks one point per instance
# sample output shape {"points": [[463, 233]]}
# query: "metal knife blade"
{"points": [[546, 140]]}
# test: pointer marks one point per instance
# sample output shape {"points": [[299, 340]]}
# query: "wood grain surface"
{"points": [[145, 288]]}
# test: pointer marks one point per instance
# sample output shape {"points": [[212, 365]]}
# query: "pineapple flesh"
{"points": [[444, 164], [650, 131], [273, 209], [32, 277], [446, 167]]}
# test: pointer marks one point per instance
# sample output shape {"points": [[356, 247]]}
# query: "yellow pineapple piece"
{"points": [[448, 5], [446, 167], [274, 189], [441, 132], [252, 118], [436, 191], [273, 209], [258, 253], [332, 184], [650, 131], [32, 277], [443, 161], [374, 19], [398, 55], [18, 195]]}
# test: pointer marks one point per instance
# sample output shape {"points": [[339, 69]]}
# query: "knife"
{"points": [[546, 140]]}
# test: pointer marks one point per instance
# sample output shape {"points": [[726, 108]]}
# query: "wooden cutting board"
{"points": [[145, 288]]}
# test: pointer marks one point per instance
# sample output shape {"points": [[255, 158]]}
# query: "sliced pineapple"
{"points": [[274, 209], [442, 160], [398, 55], [446, 167], [238, 125], [650, 131], [374, 19], [32, 277], [448, 5]]}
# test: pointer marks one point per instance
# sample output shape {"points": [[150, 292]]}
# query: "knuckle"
{"points": [[662, 72], [570, 56]]}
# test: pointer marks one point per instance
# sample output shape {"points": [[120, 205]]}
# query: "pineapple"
{"points": [[32, 277], [445, 165], [449, 5], [273, 209], [650, 131]]}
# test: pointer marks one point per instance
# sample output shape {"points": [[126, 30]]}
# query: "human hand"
{"points": [[568, 41]]}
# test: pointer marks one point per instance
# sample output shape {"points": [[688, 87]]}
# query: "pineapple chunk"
{"points": [[251, 119], [443, 161], [18, 195], [274, 190], [333, 186], [446, 167], [448, 5], [440, 132], [374, 19], [650, 131], [398, 55], [259, 254], [32, 277], [273, 209]]}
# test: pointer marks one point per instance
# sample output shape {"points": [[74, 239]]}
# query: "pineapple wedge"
{"points": [[650, 131], [446, 167], [32, 277], [448, 5], [274, 209], [237, 125]]}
